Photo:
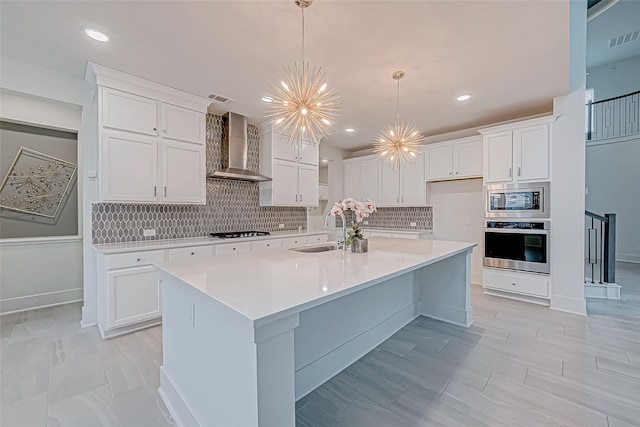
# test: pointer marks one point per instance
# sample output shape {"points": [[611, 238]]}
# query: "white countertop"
{"points": [[399, 230], [280, 281], [145, 245]]}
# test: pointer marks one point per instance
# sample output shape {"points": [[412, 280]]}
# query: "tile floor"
{"points": [[520, 364]]}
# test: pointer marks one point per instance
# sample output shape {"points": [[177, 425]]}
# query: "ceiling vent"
{"points": [[220, 98], [624, 39]]}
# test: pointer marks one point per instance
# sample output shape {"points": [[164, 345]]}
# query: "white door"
{"points": [[352, 180], [183, 124], [369, 180], [308, 153], [498, 157], [531, 153], [134, 295], [125, 111], [439, 163], [129, 167], [285, 182], [413, 184], [467, 159], [308, 185], [282, 148], [389, 188], [183, 172]]}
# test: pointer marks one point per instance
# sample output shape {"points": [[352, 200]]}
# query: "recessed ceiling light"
{"points": [[96, 35], [463, 97], [267, 99], [349, 130]]}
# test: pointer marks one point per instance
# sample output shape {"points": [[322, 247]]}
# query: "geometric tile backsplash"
{"points": [[231, 206], [396, 218]]}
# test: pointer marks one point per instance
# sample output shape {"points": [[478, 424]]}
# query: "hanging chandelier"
{"points": [[301, 106], [398, 142]]}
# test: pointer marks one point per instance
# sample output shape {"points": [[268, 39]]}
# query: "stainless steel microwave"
{"points": [[517, 200]]}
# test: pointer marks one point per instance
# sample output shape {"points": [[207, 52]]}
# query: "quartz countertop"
{"points": [[159, 244], [399, 230], [278, 282]]}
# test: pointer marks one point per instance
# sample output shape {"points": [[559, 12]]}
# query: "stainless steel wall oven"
{"points": [[517, 245]]}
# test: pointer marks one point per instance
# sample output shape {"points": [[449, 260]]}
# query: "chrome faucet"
{"points": [[341, 243]]}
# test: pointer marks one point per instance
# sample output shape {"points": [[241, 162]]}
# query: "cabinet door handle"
{"points": [[165, 191], [449, 173], [234, 249], [296, 197], [301, 198], [138, 260], [513, 284], [456, 172], [155, 130], [154, 191], [509, 172], [518, 170], [193, 253]]}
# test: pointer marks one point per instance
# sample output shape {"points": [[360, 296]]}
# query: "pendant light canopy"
{"points": [[398, 142], [302, 106]]}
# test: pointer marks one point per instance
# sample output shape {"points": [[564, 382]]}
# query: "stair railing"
{"points": [[601, 247]]}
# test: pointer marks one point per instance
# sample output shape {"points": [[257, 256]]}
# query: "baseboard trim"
{"points": [[110, 333], [569, 305], [178, 407], [476, 278], [624, 257], [48, 299], [602, 291]]}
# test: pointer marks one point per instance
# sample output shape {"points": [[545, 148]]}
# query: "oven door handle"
{"points": [[516, 231]]}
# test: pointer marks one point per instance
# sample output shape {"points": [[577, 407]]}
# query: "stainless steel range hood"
{"points": [[234, 152]]}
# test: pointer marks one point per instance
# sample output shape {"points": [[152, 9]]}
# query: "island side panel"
{"points": [[217, 369], [333, 335], [445, 290]]}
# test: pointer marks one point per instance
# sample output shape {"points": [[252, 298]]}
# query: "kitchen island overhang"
{"points": [[245, 336]]}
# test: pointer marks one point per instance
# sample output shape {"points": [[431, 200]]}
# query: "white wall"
{"points": [[609, 84], [458, 214], [612, 184], [51, 271]]}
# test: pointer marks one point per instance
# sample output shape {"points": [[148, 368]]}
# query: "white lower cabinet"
{"points": [[134, 296], [190, 252], [263, 245], [290, 242], [529, 284], [415, 235], [128, 291], [317, 239], [233, 248]]}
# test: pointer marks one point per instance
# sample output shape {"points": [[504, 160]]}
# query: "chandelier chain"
{"points": [[302, 10], [398, 101]]}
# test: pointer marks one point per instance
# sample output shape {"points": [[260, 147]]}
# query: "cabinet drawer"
{"points": [[190, 252], [230, 248], [134, 259], [262, 245], [290, 242], [317, 239], [530, 284]]}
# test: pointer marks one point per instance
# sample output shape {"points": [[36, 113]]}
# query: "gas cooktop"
{"points": [[236, 234]]}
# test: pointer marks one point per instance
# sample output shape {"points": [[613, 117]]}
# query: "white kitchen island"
{"points": [[245, 336]]}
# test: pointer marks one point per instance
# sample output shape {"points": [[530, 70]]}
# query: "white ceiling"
{"points": [[512, 56], [622, 18]]}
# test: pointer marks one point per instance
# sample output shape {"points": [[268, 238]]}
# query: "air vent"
{"points": [[624, 39], [220, 98]]}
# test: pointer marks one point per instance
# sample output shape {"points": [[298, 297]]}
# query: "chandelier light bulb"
{"points": [[303, 111], [322, 88]]}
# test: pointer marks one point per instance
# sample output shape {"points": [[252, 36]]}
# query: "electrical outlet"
{"points": [[151, 232], [412, 224], [192, 313], [366, 222], [280, 225]]}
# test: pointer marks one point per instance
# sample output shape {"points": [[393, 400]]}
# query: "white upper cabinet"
{"points": [[498, 157], [131, 163], [361, 178], [293, 168], [531, 153], [403, 186], [518, 151], [151, 140], [456, 159], [183, 167], [128, 112], [183, 124]]}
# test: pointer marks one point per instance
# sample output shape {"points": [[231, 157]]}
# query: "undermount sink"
{"points": [[314, 249]]}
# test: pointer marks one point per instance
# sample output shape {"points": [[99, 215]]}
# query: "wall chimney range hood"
{"points": [[235, 151]]}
